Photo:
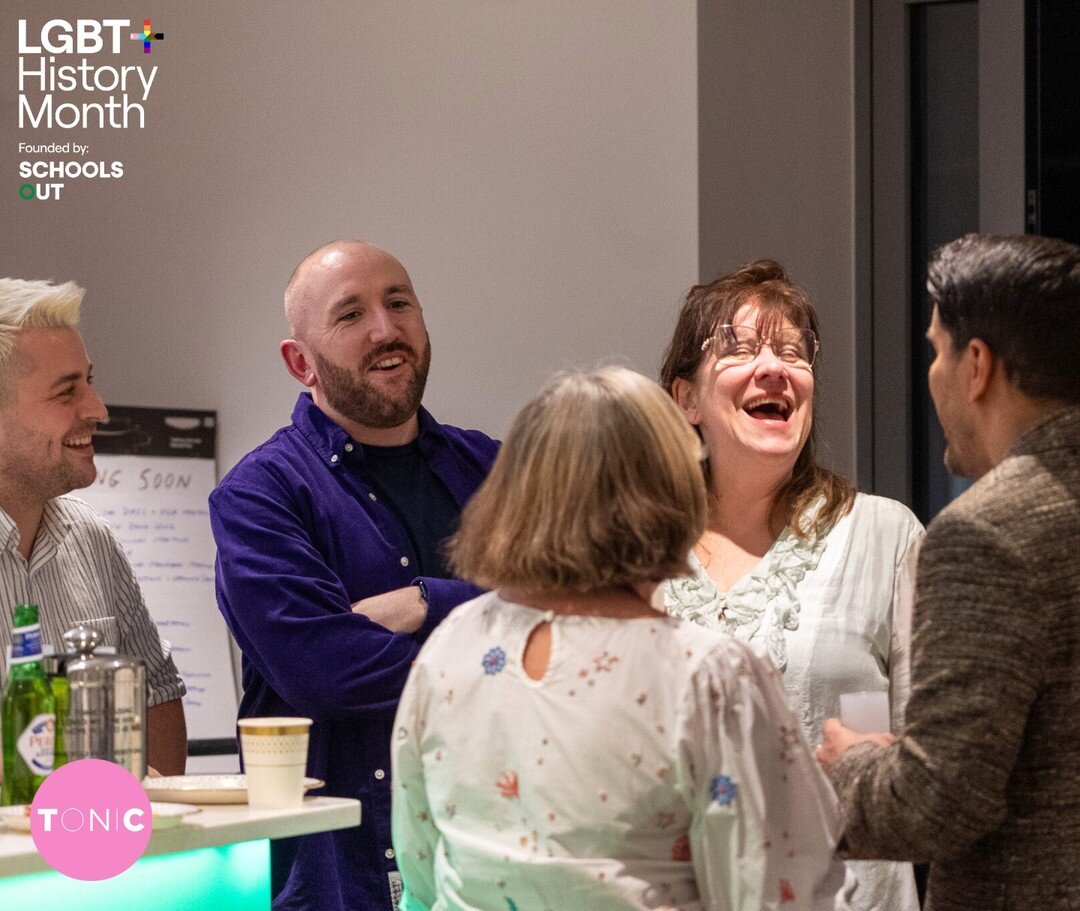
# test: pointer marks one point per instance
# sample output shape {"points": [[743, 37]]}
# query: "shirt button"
{"points": [[404, 561], [389, 853], [371, 496], [380, 774], [348, 447], [333, 458]]}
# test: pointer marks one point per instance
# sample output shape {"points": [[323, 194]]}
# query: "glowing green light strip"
{"points": [[226, 878]]}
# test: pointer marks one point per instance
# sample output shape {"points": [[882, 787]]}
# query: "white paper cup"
{"points": [[275, 758], [865, 713]]}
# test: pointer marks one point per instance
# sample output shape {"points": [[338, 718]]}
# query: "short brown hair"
{"points": [[764, 284], [596, 486]]}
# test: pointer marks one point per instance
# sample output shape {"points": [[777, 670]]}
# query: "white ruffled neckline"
{"points": [[767, 594]]}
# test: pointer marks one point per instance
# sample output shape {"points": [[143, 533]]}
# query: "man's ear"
{"points": [[685, 394], [297, 362], [980, 366]]}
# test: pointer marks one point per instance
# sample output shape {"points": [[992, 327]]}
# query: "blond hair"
{"points": [[598, 485], [34, 305]]}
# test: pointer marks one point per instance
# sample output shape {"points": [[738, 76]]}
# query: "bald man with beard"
{"points": [[330, 572]]}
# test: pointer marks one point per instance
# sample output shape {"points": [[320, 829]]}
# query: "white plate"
{"points": [[16, 818], [170, 814], [206, 788]]}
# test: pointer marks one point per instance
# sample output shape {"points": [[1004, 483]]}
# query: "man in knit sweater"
{"points": [[984, 778]]}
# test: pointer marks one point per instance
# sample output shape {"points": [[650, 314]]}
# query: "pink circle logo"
{"points": [[90, 819]]}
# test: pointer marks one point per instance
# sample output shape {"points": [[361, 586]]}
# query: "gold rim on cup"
{"points": [[272, 727]]}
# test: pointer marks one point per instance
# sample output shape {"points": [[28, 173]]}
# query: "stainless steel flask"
{"points": [[107, 704]]}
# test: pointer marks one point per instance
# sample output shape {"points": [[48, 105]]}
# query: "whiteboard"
{"points": [[156, 468]]}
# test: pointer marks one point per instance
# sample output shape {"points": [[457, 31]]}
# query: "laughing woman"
{"points": [[792, 558]]}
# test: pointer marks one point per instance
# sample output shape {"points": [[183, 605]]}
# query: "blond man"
{"points": [[54, 550]]}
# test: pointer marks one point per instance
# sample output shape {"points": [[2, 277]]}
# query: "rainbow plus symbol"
{"points": [[146, 36]]}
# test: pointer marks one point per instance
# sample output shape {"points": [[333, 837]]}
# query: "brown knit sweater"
{"points": [[984, 780]]}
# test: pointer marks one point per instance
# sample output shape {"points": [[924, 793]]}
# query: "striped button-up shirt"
{"points": [[78, 573]]}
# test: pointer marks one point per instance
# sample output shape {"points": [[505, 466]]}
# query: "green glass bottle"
{"points": [[56, 676], [28, 713]]}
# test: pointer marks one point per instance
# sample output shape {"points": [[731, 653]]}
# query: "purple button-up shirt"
{"points": [[302, 535]]}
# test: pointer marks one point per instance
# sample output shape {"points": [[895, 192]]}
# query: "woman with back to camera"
{"points": [[792, 558], [561, 744]]}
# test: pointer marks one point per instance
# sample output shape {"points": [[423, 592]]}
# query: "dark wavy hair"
{"points": [[764, 284]]}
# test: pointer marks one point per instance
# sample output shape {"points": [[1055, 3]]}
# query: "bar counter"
{"points": [[218, 858]]}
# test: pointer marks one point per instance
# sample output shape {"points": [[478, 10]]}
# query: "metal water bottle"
{"points": [[28, 713], [106, 704]]}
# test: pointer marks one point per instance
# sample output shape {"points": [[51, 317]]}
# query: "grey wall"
{"points": [[533, 165], [775, 134], [536, 167]]}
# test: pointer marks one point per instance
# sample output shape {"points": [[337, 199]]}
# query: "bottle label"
{"points": [[37, 742], [26, 644]]}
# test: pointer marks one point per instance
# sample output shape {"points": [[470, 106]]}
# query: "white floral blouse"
{"points": [[655, 765], [834, 613]]}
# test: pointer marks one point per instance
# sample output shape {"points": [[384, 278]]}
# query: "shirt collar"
{"points": [[54, 521], [333, 443], [54, 524], [9, 532]]}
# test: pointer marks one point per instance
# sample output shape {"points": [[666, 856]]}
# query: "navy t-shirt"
{"points": [[419, 499]]}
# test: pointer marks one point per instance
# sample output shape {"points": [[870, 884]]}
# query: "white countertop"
{"points": [[213, 825]]}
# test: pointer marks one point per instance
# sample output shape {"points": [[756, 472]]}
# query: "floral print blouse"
{"points": [[655, 765], [834, 614]]}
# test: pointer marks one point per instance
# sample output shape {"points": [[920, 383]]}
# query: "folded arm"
{"points": [[291, 615]]}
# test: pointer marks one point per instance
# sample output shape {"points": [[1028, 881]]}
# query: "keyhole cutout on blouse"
{"points": [[537, 654]]}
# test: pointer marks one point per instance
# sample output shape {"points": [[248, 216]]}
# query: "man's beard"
{"points": [[350, 394]]}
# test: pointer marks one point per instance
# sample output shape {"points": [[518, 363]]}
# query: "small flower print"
{"points": [[723, 790], [494, 661], [790, 745], [605, 662], [507, 784], [787, 894], [680, 851]]}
